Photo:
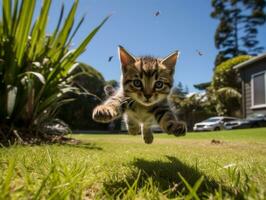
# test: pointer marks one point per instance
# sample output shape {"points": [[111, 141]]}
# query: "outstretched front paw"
{"points": [[104, 113], [176, 128]]}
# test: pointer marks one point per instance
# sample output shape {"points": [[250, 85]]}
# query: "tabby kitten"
{"points": [[142, 98]]}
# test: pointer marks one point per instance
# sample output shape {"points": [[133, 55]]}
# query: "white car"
{"points": [[212, 124]]}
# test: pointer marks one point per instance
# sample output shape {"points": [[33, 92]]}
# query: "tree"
{"points": [[226, 76], [78, 112], [113, 83], [179, 90], [192, 108], [237, 31], [225, 89], [202, 86]]}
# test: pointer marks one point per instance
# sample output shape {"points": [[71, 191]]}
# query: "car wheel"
{"points": [[217, 129]]}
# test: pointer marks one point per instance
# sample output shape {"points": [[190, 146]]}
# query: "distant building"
{"points": [[253, 77]]}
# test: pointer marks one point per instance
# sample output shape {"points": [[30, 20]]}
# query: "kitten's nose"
{"points": [[148, 96]]}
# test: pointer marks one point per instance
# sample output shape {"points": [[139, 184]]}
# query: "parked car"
{"points": [[255, 120], [240, 123], [213, 124]]}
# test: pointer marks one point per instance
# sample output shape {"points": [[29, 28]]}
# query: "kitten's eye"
{"points": [[137, 83], [158, 84]]}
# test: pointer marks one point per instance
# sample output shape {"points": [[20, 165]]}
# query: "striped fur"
{"points": [[142, 98]]}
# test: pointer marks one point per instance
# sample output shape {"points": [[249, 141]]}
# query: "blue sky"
{"points": [[183, 25]]}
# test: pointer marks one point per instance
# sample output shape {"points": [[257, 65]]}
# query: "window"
{"points": [[228, 119], [258, 89]]}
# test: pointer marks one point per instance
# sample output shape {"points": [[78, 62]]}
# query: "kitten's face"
{"points": [[147, 80]]}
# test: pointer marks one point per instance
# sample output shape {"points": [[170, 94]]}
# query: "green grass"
{"points": [[123, 167]]}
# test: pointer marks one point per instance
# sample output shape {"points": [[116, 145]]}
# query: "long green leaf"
{"points": [[51, 100], [14, 17], [38, 32], [58, 47], [36, 74], [67, 63], [11, 99], [51, 39], [65, 32], [19, 52], [7, 19], [23, 29], [75, 31], [84, 44]]}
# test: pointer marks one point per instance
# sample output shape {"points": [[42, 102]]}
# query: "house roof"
{"points": [[250, 61]]}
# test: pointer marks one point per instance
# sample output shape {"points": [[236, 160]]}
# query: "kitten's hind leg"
{"points": [[168, 121], [132, 125]]}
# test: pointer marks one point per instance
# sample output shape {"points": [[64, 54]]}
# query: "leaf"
{"points": [[229, 92], [23, 28], [71, 56], [59, 44], [73, 68], [68, 61], [24, 45], [36, 74], [76, 30], [52, 38], [38, 32], [7, 19], [11, 98], [14, 17]]}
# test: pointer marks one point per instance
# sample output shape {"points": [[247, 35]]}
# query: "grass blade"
{"points": [[193, 191], [43, 184], [7, 181]]}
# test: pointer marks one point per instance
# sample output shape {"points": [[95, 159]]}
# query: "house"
{"points": [[253, 77]]}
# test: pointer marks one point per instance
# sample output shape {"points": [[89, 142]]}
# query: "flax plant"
{"points": [[35, 68]]}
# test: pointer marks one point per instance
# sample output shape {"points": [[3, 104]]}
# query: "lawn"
{"points": [[213, 165]]}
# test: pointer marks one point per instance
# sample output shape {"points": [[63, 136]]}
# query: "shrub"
{"points": [[225, 88], [226, 76], [34, 67], [78, 113]]}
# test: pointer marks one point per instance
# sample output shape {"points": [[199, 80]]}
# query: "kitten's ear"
{"points": [[170, 60], [125, 57]]}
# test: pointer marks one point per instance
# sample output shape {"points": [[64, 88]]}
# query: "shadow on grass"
{"points": [[83, 145], [165, 175]]}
